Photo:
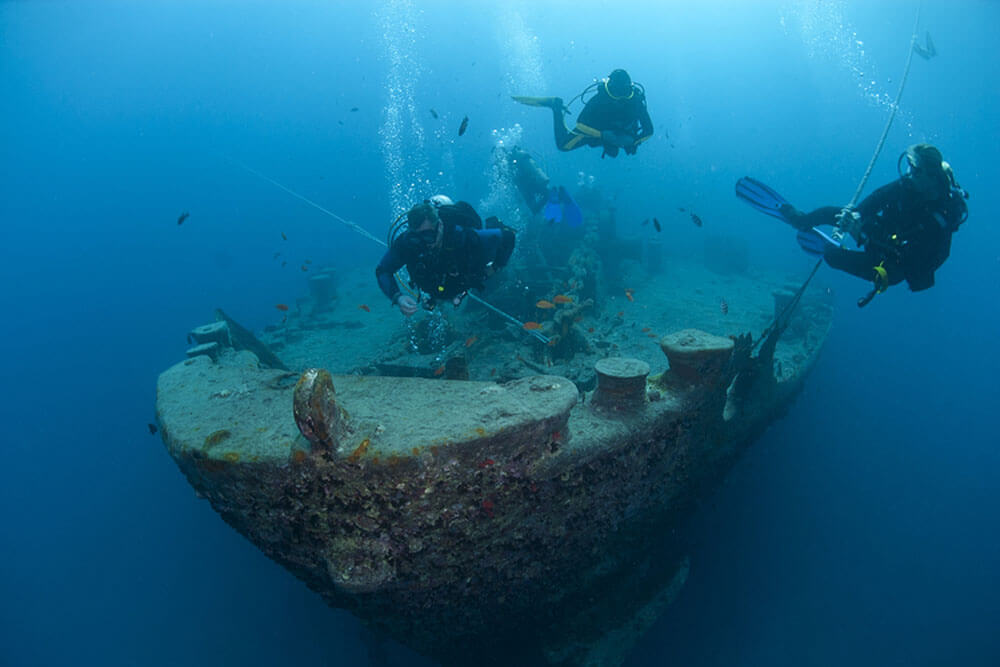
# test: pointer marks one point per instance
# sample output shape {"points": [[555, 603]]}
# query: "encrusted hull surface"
{"points": [[523, 523]]}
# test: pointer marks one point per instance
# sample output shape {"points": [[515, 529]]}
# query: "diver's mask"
{"points": [[424, 237]]}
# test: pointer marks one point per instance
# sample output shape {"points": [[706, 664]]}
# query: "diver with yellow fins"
{"points": [[903, 230], [614, 117]]}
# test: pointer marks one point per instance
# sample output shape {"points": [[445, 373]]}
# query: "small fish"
{"points": [[353, 109], [434, 114], [309, 261], [340, 122], [646, 330], [493, 372], [304, 267], [645, 222], [284, 264], [628, 295], [656, 224], [590, 330], [562, 298], [282, 307], [696, 220], [152, 429], [464, 126], [439, 370], [545, 304], [723, 306], [621, 314], [681, 209], [364, 308], [470, 341], [486, 462], [283, 237], [532, 326], [182, 217], [276, 255]]}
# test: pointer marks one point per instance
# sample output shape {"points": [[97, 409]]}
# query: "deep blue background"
{"points": [[861, 529]]}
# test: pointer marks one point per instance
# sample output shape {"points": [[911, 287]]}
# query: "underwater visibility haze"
{"points": [[164, 159]]}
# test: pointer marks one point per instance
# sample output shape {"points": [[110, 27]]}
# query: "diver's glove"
{"points": [[848, 221], [407, 304]]}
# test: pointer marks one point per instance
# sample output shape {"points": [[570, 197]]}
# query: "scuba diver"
{"points": [[614, 118], [903, 230], [445, 250], [532, 182]]}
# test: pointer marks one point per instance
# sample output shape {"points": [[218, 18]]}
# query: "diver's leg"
{"points": [[862, 264], [826, 215], [565, 140]]}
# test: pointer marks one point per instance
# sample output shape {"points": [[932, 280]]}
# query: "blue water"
{"points": [[861, 529]]}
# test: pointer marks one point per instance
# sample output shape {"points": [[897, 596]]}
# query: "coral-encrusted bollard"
{"points": [[696, 357], [621, 383], [317, 414]]}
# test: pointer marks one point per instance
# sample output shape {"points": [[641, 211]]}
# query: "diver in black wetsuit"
{"points": [[904, 228], [614, 118], [446, 252]]}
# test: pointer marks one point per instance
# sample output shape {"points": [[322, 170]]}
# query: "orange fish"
{"points": [[532, 326], [724, 307], [628, 295], [364, 308], [545, 304], [562, 298], [439, 370], [470, 340], [282, 307], [486, 462]]}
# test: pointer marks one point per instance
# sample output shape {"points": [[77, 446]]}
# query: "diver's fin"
{"points": [[761, 197], [553, 211], [815, 241], [927, 51], [572, 214], [550, 102]]}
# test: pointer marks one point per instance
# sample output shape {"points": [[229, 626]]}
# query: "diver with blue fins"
{"points": [[614, 118], [553, 202], [903, 230], [446, 252]]}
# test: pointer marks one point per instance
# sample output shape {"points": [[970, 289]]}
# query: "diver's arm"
{"points": [[879, 200], [497, 246], [392, 261], [505, 250]]}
